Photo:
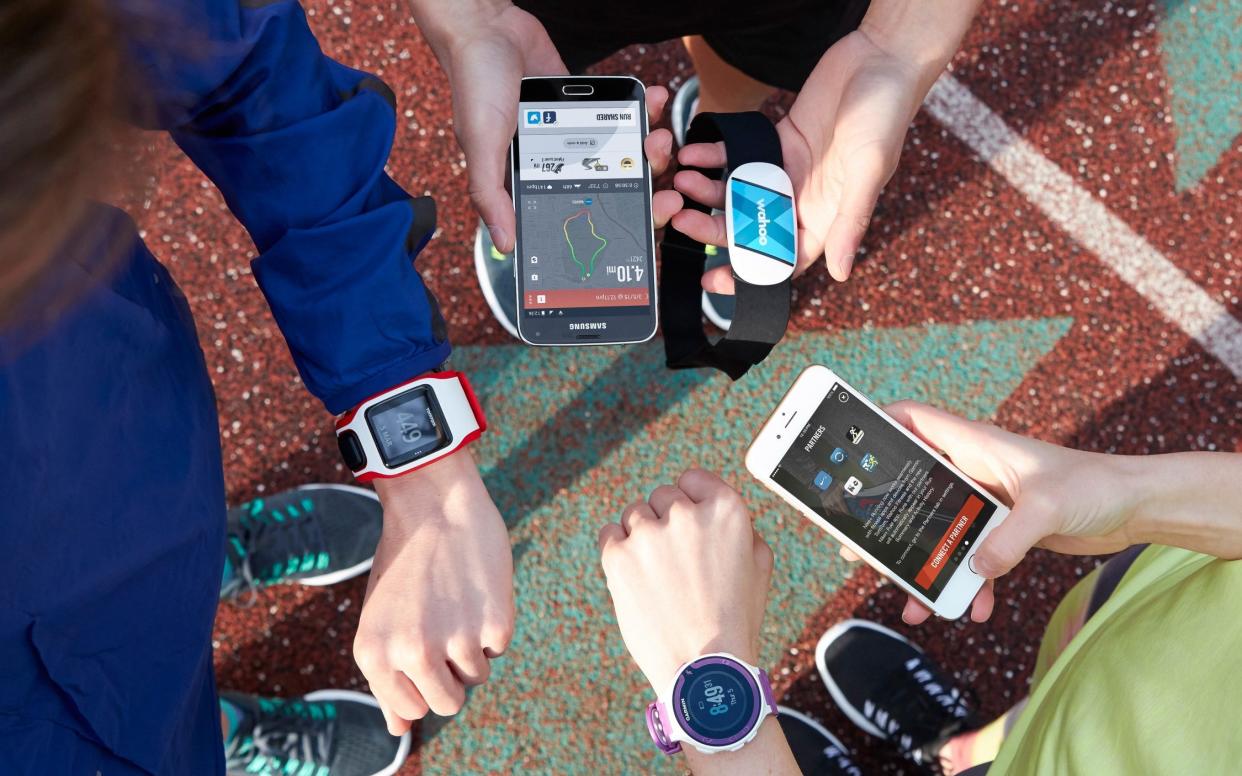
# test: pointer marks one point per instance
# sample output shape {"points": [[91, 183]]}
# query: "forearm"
{"points": [[767, 755], [1190, 500], [443, 23], [444, 490], [925, 33]]}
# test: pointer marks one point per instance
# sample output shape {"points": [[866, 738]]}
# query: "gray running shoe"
{"points": [[313, 535], [337, 732], [685, 105], [496, 278]]}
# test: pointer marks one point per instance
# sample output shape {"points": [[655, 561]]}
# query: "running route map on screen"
{"points": [[583, 226], [582, 250], [587, 268]]}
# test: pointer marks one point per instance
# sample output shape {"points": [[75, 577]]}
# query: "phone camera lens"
{"points": [[778, 436]]}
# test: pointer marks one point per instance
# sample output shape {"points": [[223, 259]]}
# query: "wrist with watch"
{"points": [[761, 224], [715, 703], [410, 426]]}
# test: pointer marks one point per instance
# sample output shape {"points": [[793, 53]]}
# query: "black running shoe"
{"points": [[496, 279], [326, 733], [313, 535], [817, 751], [890, 689]]}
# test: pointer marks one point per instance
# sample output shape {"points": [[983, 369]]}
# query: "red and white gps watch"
{"points": [[412, 425]]}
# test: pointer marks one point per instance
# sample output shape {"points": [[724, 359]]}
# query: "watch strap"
{"points": [[765, 688], [762, 312], [656, 714]]}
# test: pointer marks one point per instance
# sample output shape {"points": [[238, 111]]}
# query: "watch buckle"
{"points": [[655, 726]]}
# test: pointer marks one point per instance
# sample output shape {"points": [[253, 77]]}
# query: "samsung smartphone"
{"points": [[861, 476], [585, 257]]}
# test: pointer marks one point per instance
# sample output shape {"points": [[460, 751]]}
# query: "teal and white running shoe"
{"points": [[326, 733], [497, 279], [717, 307], [312, 535]]}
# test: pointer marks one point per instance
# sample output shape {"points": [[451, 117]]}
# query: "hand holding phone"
{"points": [[485, 51], [854, 471], [1064, 500]]}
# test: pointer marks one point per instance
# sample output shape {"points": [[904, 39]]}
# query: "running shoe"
{"points": [[497, 279], [818, 752], [326, 733], [890, 689], [717, 307], [312, 535], [685, 106]]}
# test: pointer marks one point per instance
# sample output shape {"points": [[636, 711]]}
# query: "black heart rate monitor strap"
{"points": [[761, 312]]}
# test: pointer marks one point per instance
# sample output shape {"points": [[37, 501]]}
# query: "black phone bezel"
{"points": [[556, 330]]}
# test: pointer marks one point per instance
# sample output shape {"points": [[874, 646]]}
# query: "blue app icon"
{"points": [[838, 456], [823, 480], [869, 462], [532, 117], [549, 117]]}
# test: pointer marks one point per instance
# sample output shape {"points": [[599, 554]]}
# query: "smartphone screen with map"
{"points": [[584, 264]]}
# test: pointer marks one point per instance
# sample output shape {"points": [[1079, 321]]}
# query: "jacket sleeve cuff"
{"points": [[381, 381]]}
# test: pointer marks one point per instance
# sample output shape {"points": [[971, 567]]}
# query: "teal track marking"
{"points": [[566, 698], [1202, 49]]}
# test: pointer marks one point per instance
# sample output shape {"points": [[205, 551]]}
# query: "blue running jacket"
{"points": [[112, 510]]}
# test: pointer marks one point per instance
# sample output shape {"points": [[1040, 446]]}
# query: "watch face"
{"points": [[715, 701], [408, 426], [762, 224]]}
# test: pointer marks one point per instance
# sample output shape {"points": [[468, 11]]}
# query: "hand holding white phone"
{"points": [[893, 501]]}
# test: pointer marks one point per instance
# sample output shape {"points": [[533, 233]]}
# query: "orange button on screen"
{"points": [[949, 542]]}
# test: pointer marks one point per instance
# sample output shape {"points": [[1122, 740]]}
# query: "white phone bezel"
{"points": [[766, 451], [752, 266]]}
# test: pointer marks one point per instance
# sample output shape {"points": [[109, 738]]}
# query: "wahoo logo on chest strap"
{"points": [[761, 208]]}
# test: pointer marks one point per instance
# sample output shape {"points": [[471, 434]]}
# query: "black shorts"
{"points": [[778, 42]]}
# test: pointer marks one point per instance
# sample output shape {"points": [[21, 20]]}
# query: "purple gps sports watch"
{"points": [[715, 704]]}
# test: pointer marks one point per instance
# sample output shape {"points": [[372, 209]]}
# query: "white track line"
{"points": [[1085, 219]]}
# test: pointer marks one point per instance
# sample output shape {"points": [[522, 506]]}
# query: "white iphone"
{"points": [[861, 476]]}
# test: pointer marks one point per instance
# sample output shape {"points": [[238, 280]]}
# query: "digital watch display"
{"points": [[410, 426], [716, 703]]}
